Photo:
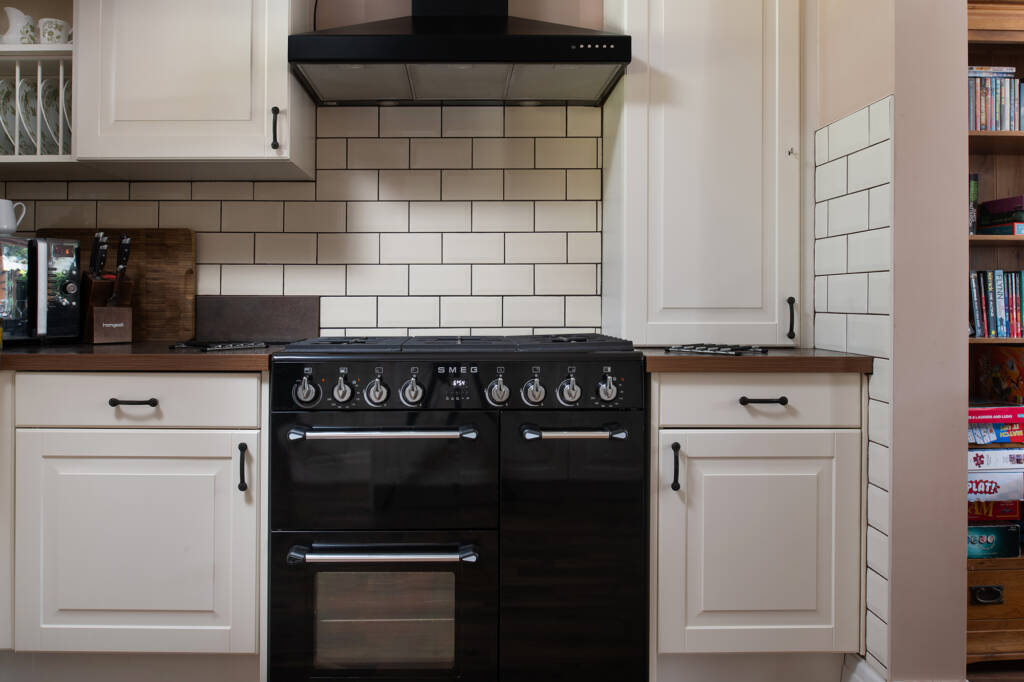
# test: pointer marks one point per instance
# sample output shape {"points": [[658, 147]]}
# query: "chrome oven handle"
{"points": [[467, 432], [531, 432], [302, 555]]}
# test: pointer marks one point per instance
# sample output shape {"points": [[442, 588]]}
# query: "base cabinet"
{"points": [[136, 540], [758, 548]]}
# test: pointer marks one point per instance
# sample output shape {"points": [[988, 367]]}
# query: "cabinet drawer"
{"points": [[1010, 583], [713, 399], [198, 400]]}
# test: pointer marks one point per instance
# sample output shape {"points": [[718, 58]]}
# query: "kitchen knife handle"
{"points": [[274, 144], [675, 467], [792, 318], [114, 402], [242, 485]]}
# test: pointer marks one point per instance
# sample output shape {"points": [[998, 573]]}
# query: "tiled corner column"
{"points": [[853, 304]]}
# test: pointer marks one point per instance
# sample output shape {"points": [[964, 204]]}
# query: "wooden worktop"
{"points": [[776, 360], [151, 356]]}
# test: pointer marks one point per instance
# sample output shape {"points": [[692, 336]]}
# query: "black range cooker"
{"points": [[458, 508]]}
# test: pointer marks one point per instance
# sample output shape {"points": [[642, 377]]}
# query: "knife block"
{"points": [[103, 323]]}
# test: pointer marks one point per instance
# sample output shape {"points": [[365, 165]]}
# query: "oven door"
{"points": [[384, 470], [383, 606]]}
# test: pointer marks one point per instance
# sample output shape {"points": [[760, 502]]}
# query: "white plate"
{"points": [[7, 115], [27, 111], [66, 96], [51, 113]]}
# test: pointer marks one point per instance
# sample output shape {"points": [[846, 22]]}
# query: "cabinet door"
{"points": [[135, 541], [186, 79], [712, 100], [759, 549]]}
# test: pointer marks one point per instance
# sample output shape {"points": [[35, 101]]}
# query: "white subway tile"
{"points": [[251, 280], [880, 120], [493, 280], [376, 331], [877, 638], [848, 293], [584, 247], [878, 552], [830, 180], [848, 213], [286, 248], [441, 153], [869, 335], [507, 152], [473, 248], [470, 311], [535, 184], [348, 248], [404, 311], [378, 216], [566, 216], [416, 185], [378, 153], [314, 280], [878, 595], [207, 280], [502, 216], [880, 381], [830, 331], [565, 330], [331, 153], [880, 206], [36, 190], [879, 292], [229, 191], [535, 248], [341, 185], [871, 166], [252, 216], [442, 280], [471, 184], [583, 310], [821, 294], [343, 311], [501, 331], [410, 248], [346, 121], [821, 220], [830, 256], [879, 464], [568, 152], [439, 216], [870, 250], [821, 146], [410, 121], [583, 121], [201, 216], [218, 247], [472, 121], [100, 190], [284, 191], [878, 509], [534, 311], [314, 216], [112, 214], [848, 134], [566, 279], [879, 422], [583, 184], [534, 121], [378, 280], [444, 331]]}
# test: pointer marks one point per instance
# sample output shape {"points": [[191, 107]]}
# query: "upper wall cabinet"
{"points": [[702, 177], [190, 80]]}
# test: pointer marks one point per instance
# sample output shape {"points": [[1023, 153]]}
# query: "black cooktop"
{"points": [[541, 343]]}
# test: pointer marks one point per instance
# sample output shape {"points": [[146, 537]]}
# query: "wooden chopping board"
{"points": [[162, 266]]}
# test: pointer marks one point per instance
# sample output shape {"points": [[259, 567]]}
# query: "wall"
{"points": [[422, 220], [853, 231]]}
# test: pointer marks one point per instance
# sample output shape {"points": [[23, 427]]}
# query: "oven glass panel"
{"points": [[385, 620]]}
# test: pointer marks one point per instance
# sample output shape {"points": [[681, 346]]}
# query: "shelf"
{"points": [[995, 141], [996, 340], [990, 239], [60, 50]]}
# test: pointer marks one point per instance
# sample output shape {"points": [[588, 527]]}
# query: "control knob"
{"points": [[342, 392], [376, 393], [412, 392], [569, 392], [607, 390], [534, 391], [497, 391], [306, 393]]}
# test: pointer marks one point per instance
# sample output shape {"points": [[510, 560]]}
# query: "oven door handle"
{"points": [[303, 555], [531, 432], [467, 432]]}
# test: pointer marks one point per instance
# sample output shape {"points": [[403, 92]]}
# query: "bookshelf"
{"points": [[995, 141]]}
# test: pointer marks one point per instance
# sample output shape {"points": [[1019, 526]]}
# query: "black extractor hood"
{"points": [[459, 52]]}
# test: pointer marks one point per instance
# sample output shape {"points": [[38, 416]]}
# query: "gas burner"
{"points": [[717, 349], [417, 344], [348, 344], [541, 343], [571, 343]]}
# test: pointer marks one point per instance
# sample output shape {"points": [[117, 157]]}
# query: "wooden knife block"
{"points": [[103, 323]]}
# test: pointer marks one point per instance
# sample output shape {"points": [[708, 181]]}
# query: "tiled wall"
{"points": [[463, 219], [853, 304]]}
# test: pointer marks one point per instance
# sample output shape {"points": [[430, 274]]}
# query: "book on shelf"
{"points": [[972, 191], [992, 412], [1010, 459], [993, 98], [1005, 510], [1002, 229]]}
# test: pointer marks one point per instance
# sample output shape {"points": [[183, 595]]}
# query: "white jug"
{"points": [[22, 28]]}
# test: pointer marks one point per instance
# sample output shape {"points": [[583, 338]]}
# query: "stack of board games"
{"points": [[995, 488]]}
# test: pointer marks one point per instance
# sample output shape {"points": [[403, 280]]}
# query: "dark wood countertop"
{"points": [[776, 360], [150, 356]]}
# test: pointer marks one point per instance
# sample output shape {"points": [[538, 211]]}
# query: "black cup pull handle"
{"points": [[986, 594], [781, 400], [274, 144], [114, 402], [675, 466], [242, 485], [792, 318]]}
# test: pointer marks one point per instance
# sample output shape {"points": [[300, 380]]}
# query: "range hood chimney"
{"points": [[459, 52]]}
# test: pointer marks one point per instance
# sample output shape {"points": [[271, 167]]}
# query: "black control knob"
{"points": [[306, 393], [569, 392], [412, 392], [607, 390], [376, 393], [534, 391], [342, 391], [497, 392]]}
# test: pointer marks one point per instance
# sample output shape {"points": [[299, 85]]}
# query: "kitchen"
{"points": [[410, 207]]}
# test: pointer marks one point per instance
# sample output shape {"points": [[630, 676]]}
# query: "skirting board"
{"points": [[856, 669]]}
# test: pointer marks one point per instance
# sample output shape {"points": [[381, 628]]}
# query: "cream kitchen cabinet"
{"points": [[702, 173], [192, 80], [6, 509]]}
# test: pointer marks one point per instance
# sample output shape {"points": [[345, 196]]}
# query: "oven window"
{"points": [[385, 620]]}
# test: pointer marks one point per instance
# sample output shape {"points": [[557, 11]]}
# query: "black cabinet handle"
{"points": [[242, 485], [114, 402], [781, 400], [274, 144], [986, 594], [675, 466], [792, 318]]}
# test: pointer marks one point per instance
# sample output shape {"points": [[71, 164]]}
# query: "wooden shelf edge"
{"points": [[996, 240], [996, 341], [996, 141]]}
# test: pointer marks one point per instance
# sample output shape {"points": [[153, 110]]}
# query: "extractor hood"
{"points": [[459, 52]]}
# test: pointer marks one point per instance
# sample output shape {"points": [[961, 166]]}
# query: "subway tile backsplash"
{"points": [[421, 220]]}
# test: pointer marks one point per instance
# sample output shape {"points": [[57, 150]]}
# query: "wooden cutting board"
{"points": [[163, 267]]}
